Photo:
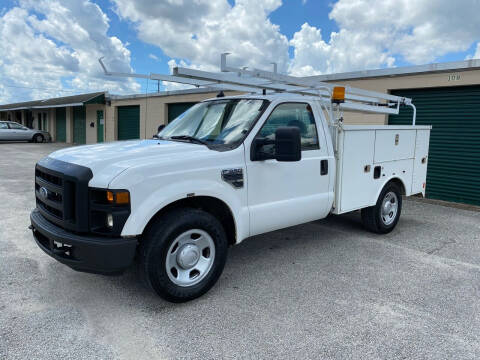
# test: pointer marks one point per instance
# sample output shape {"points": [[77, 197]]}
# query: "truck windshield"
{"points": [[215, 123]]}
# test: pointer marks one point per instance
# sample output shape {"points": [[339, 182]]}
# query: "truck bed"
{"points": [[369, 156]]}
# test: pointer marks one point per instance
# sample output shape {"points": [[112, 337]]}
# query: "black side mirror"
{"points": [[288, 145]]}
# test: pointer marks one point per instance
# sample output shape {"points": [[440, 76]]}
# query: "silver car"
{"points": [[13, 131]]}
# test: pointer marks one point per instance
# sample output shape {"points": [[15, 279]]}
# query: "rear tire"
{"points": [[384, 215], [182, 254], [38, 138]]}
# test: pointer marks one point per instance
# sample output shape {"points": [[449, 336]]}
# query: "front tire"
{"points": [[384, 215], [182, 254], [38, 138]]}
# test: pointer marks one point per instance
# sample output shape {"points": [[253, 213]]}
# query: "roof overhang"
{"points": [[56, 106], [76, 100], [454, 66]]}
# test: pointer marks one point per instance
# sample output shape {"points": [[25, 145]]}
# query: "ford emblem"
{"points": [[43, 192]]}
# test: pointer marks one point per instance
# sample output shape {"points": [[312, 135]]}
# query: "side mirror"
{"points": [[288, 145]]}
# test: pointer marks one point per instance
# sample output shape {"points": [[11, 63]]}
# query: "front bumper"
{"points": [[94, 254]]}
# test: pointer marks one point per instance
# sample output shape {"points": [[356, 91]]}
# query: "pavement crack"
{"points": [[443, 245]]}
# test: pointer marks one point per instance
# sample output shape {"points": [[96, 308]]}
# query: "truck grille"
{"points": [[61, 191], [49, 193]]}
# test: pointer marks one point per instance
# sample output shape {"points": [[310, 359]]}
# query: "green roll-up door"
{"points": [[176, 109], [454, 157], [61, 124], [128, 122], [79, 125]]}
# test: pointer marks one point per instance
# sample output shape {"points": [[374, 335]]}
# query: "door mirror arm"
{"points": [[256, 150]]}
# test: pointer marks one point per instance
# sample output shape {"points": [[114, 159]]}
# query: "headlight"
{"points": [[109, 210]]}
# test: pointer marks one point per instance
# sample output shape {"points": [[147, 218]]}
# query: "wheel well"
{"points": [[399, 183], [213, 206]]}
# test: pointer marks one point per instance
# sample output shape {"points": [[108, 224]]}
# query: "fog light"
{"points": [[110, 220]]}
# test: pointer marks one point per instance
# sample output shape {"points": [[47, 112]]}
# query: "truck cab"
{"points": [[227, 169]]}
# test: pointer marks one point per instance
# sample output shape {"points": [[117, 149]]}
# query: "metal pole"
{"points": [[414, 114]]}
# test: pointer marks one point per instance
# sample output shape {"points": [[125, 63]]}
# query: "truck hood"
{"points": [[108, 160]]}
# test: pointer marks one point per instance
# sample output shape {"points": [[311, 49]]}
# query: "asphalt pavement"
{"points": [[324, 290]]}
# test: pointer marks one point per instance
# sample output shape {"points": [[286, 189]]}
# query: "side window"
{"points": [[15, 126], [3, 125], [292, 114]]}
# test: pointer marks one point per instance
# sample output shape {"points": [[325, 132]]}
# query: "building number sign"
{"points": [[454, 77]]}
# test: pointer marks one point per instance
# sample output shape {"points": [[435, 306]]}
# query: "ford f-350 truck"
{"points": [[227, 169]]}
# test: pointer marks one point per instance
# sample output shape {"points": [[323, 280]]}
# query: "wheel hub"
{"points": [[188, 256], [389, 208]]}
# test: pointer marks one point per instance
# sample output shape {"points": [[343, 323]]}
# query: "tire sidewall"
{"points": [[163, 236], [38, 138], [378, 208]]}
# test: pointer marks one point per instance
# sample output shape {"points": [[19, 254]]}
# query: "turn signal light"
{"points": [[338, 95], [119, 197], [123, 197]]}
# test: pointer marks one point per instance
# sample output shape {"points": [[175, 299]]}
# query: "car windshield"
{"points": [[217, 122]]}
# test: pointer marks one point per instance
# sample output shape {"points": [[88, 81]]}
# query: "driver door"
{"points": [[282, 194]]}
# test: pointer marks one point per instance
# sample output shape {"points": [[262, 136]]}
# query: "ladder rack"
{"points": [[261, 81]]}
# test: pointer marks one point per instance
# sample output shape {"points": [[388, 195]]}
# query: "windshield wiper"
{"points": [[189, 138]]}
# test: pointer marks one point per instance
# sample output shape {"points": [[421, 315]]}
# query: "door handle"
{"points": [[323, 167]]}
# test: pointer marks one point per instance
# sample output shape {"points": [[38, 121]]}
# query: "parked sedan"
{"points": [[13, 131]]}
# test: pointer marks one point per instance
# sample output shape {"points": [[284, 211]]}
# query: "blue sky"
{"points": [[50, 47]]}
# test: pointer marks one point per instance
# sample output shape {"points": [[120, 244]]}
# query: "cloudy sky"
{"points": [[50, 47]]}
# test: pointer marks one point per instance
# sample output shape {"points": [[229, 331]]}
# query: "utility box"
{"points": [[370, 156]]}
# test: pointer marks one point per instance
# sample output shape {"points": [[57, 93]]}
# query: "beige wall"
{"points": [[387, 84], [69, 124], [52, 128], [153, 112]]}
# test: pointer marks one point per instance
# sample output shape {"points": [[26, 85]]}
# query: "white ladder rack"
{"points": [[260, 81]]}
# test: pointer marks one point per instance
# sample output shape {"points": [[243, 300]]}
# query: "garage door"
{"points": [[79, 128], [454, 157], [176, 109], [61, 125], [128, 122]]}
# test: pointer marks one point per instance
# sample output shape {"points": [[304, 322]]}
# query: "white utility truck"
{"points": [[227, 169]]}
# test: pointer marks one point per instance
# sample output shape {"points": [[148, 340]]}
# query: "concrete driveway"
{"points": [[323, 290]]}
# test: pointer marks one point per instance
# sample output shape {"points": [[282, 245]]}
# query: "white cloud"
{"points": [[199, 31], [377, 33], [53, 43], [44, 54], [477, 52]]}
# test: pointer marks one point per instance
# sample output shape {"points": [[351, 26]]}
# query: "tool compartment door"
{"points": [[393, 145], [355, 185], [420, 161]]}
